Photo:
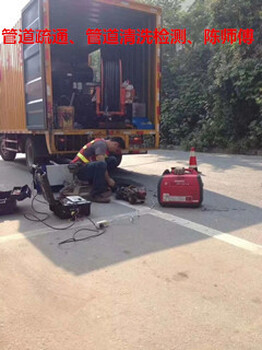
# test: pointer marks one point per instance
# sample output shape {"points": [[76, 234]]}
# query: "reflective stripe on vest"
{"points": [[82, 157]]}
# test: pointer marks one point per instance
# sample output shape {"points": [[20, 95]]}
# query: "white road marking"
{"points": [[225, 237], [140, 211]]}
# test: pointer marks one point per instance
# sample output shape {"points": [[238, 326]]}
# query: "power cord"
{"points": [[98, 231], [37, 219], [42, 202], [101, 229]]}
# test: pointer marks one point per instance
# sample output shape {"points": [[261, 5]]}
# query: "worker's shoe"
{"points": [[106, 194], [99, 198]]}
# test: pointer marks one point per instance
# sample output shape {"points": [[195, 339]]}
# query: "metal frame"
{"points": [[39, 18], [46, 59]]}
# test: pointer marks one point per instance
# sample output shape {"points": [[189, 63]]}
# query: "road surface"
{"points": [[157, 279]]}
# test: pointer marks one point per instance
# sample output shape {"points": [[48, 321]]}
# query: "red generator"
{"points": [[180, 188]]}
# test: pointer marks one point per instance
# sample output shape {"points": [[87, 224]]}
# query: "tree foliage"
{"points": [[212, 94]]}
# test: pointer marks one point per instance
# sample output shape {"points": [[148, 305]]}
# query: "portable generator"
{"points": [[180, 187]]}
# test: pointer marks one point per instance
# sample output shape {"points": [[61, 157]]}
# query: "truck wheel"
{"points": [[30, 153], [8, 156]]}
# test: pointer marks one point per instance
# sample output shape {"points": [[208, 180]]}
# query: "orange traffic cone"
{"points": [[192, 159]]}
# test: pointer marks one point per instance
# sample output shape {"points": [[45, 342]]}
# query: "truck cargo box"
{"points": [[77, 89]]}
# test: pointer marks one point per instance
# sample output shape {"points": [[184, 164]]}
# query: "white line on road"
{"points": [[225, 237]]}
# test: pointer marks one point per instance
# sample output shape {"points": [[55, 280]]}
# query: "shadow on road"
{"points": [[219, 162], [125, 240]]}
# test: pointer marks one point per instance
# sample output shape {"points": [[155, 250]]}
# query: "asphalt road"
{"points": [[157, 279]]}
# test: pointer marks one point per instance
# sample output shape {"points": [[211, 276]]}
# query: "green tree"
{"points": [[235, 74], [212, 94]]}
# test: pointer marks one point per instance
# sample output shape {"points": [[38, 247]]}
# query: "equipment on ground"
{"points": [[76, 187], [132, 194], [180, 187], [8, 199], [65, 208]]}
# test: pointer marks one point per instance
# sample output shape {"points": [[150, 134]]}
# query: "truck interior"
{"points": [[102, 86]]}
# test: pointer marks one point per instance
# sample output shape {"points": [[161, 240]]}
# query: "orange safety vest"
{"points": [[81, 157]]}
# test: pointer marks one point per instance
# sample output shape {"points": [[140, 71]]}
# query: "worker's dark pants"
{"points": [[94, 173], [111, 162]]}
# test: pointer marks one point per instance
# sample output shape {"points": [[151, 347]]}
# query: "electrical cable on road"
{"points": [[72, 239], [98, 232], [37, 219], [99, 227]]}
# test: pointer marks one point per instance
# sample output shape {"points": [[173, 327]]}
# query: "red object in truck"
{"points": [[180, 188]]}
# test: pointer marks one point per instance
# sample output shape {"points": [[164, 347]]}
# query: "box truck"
{"points": [[58, 94]]}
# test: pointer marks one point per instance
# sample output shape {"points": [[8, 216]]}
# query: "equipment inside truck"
{"points": [[101, 86]]}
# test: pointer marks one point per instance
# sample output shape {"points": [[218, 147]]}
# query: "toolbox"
{"points": [[64, 207], [180, 188], [8, 199]]}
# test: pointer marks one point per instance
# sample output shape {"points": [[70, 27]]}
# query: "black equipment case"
{"points": [[8, 199]]}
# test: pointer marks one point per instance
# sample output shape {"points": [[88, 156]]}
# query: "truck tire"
{"points": [[8, 156], [35, 151], [30, 153]]}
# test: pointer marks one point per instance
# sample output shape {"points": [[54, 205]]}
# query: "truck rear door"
{"points": [[35, 92]]}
